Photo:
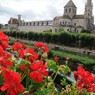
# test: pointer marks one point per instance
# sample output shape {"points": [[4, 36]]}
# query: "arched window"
{"points": [[38, 23], [74, 24], [69, 10], [66, 10], [34, 23], [47, 23], [42, 23], [30, 23]]}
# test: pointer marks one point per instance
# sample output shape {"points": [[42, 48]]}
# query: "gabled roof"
{"points": [[70, 4]]}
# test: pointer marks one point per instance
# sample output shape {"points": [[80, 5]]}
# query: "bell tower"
{"points": [[70, 9], [89, 14], [88, 8]]}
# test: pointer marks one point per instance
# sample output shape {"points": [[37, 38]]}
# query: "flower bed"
{"points": [[26, 71]]}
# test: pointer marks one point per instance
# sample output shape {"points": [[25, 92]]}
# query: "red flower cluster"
{"points": [[22, 67], [2, 53], [4, 60], [39, 70], [28, 52], [84, 79], [29, 61], [56, 59], [18, 46], [42, 46], [11, 82], [3, 40]]}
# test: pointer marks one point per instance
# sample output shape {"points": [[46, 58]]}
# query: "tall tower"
{"points": [[89, 14], [19, 19], [70, 9], [88, 8]]}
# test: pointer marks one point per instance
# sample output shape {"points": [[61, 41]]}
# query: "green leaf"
{"points": [[52, 65]]}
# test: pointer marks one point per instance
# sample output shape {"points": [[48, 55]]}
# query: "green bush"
{"points": [[80, 40]]}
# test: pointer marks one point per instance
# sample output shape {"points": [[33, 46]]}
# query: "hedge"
{"points": [[81, 40]]}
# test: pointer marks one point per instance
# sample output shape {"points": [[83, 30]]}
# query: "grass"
{"points": [[81, 59], [87, 62]]}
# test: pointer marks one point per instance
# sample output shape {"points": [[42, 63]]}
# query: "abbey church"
{"points": [[69, 21], [73, 22]]}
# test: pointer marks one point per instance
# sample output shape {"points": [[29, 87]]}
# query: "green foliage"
{"points": [[54, 38], [85, 31], [72, 90], [63, 38], [64, 69], [52, 65]]}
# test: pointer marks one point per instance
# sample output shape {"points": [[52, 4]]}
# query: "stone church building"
{"points": [[69, 21], [73, 22]]}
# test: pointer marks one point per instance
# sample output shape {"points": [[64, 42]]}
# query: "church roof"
{"points": [[14, 21], [67, 17], [60, 17], [70, 4], [79, 26], [78, 17]]}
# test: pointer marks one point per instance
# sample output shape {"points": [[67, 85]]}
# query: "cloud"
{"points": [[36, 9], [6, 11]]}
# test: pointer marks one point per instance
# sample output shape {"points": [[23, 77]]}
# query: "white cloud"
{"points": [[36, 9]]}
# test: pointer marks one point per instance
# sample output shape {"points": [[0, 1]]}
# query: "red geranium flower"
{"points": [[22, 53], [38, 71], [4, 61], [2, 53], [42, 46], [56, 59], [84, 78], [28, 52], [22, 67], [11, 82], [18, 45], [3, 40]]}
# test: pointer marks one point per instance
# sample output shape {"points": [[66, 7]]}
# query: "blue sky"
{"points": [[32, 10]]}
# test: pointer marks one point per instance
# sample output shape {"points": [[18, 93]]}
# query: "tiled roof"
{"points": [[79, 17], [79, 26], [60, 17]]}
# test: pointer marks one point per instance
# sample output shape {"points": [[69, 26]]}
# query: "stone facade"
{"points": [[36, 26], [69, 21]]}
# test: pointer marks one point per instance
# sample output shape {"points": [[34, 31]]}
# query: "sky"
{"points": [[36, 10]]}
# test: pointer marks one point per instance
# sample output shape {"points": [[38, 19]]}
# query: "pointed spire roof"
{"points": [[70, 4]]}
